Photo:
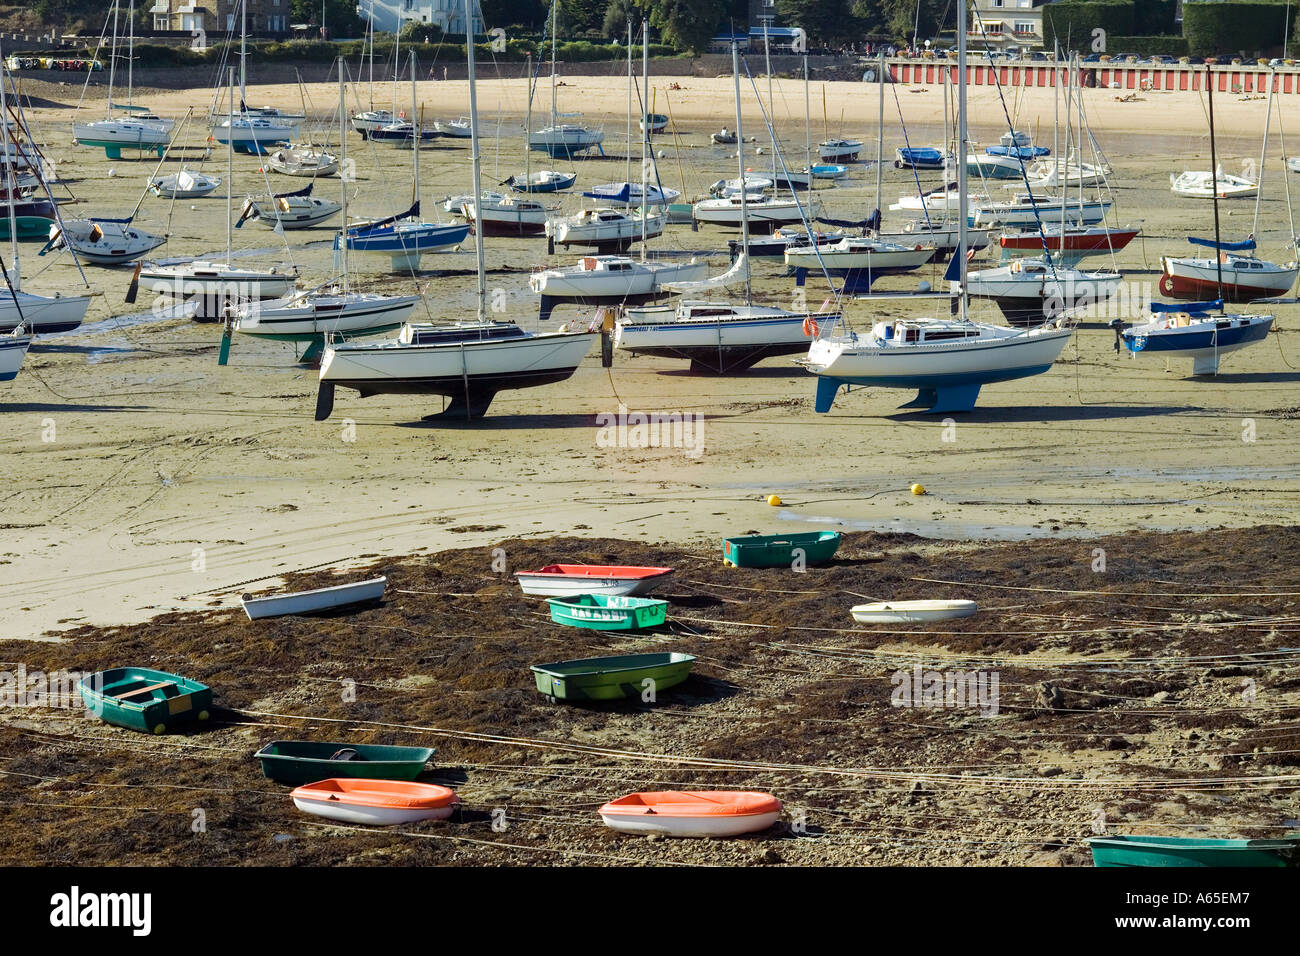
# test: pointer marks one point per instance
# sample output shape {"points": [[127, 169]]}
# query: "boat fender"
{"points": [[810, 327]]}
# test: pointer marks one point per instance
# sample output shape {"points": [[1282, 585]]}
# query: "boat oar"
{"points": [[134, 287]]}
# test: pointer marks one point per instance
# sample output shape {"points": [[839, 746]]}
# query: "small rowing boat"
{"points": [[380, 803], [1137, 850], [570, 580], [912, 612], [139, 698], [692, 813], [611, 678], [780, 550], [302, 761], [314, 601], [608, 612]]}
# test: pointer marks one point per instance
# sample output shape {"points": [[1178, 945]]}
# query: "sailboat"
{"points": [[609, 278], [23, 311], [303, 159], [293, 210], [1202, 331], [252, 131], [563, 140], [215, 286], [467, 363], [946, 360], [1232, 272], [718, 337], [405, 238], [138, 129], [186, 184], [312, 316]]}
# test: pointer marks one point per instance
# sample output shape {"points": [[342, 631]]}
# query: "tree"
{"points": [[901, 21], [825, 20], [415, 32], [688, 24], [616, 16], [530, 14], [340, 16]]}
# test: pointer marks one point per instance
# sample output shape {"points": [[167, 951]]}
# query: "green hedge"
{"points": [[1149, 46], [1071, 22], [1232, 27], [1154, 18]]}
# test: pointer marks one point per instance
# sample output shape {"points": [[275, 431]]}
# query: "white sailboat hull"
{"points": [[40, 314], [13, 349], [314, 315], [641, 279]]}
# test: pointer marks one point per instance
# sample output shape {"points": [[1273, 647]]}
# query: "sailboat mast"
{"points": [[962, 211], [1065, 185], [343, 180], [740, 161], [243, 55], [415, 139], [130, 50], [627, 166], [807, 120], [554, 108], [1214, 176], [112, 65], [14, 275], [474, 156], [645, 122], [230, 157], [771, 108], [1263, 151], [880, 133]]}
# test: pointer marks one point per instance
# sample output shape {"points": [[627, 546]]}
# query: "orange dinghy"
{"points": [[375, 802], [692, 813]]}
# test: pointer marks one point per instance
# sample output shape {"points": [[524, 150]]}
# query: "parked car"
{"points": [[1093, 58]]}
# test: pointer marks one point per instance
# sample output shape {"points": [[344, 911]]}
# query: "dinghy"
{"points": [[146, 700], [570, 580], [542, 181], [314, 601], [611, 678], [912, 612], [692, 813], [1135, 850], [378, 803], [297, 762], [187, 184], [456, 129], [780, 550], [1204, 185], [655, 122], [919, 157], [608, 612], [839, 150], [723, 137]]}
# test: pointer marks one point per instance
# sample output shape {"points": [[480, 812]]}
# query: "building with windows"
{"points": [[1004, 24], [265, 17], [388, 16]]}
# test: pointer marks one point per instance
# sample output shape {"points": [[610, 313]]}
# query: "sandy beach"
{"points": [[145, 488]]}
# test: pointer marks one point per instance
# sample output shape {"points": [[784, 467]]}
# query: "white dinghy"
{"points": [[314, 601], [912, 612]]}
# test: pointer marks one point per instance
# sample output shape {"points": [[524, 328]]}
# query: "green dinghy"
{"points": [[1194, 851], [608, 612], [147, 700], [778, 550], [610, 678], [298, 762]]}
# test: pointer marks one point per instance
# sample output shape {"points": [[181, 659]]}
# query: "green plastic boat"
{"points": [[1193, 851], [608, 612], [298, 762], [778, 550], [146, 700], [609, 678]]}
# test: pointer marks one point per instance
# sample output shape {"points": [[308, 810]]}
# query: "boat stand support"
{"points": [[1208, 365], [947, 398], [311, 357]]}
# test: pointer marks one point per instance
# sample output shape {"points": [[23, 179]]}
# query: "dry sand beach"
{"points": [[140, 479]]}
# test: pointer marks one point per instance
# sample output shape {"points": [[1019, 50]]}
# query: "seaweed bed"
{"points": [[1157, 695]]}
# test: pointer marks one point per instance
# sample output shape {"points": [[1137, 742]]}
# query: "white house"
{"points": [[389, 15]]}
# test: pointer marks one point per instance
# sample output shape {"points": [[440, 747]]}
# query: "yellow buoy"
{"points": [[918, 489], [774, 501]]}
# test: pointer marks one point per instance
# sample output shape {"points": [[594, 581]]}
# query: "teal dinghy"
{"points": [[1193, 851]]}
